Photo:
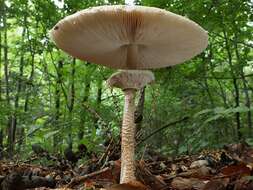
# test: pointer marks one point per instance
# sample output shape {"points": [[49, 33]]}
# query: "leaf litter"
{"points": [[227, 169]]}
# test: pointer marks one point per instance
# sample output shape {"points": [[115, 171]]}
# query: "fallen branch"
{"points": [[78, 180], [162, 128]]}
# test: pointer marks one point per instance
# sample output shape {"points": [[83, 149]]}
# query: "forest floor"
{"points": [[230, 168]]}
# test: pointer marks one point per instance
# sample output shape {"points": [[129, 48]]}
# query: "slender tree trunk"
{"points": [[83, 115], [209, 93], [237, 104], [27, 90], [72, 87], [6, 68], [12, 134], [71, 101], [0, 65], [1, 143], [29, 85], [235, 84], [244, 82], [57, 102], [83, 112], [1, 130], [98, 101], [247, 103], [222, 92], [207, 61]]}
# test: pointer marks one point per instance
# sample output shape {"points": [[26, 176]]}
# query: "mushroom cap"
{"points": [[131, 79], [129, 37]]}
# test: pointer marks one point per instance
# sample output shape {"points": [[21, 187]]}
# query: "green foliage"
{"points": [[60, 105], [221, 112]]}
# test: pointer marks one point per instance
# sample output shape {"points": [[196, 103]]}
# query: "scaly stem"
{"points": [[127, 139]]}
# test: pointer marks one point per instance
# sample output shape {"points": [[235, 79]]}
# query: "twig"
{"points": [[162, 128], [78, 180], [106, 152], [95, 113], [232, 40], [144, 151]]}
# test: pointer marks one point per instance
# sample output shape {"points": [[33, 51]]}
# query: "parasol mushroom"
{"points": [[130, 38]]}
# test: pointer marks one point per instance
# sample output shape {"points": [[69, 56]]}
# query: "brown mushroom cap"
{"points": [[129, 37], [128, 79]]}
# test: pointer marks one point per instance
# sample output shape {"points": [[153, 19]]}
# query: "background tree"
{"points": [[50, 98]]}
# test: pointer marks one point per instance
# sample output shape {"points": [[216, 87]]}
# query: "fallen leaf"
{"points": [[133, 185], [89, 184], [198, 164], [243, 184], [216, 185], [240, 169], [180, 183], [198, 172]]}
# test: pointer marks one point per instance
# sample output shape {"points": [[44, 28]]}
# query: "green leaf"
{"points": [[202, 112], [240, 109], [212, 118], [219, 110], [50, 134]]}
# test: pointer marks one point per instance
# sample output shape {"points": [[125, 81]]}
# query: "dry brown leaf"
{"points": [[217, 184], [133, 185], [180, 183], [243, 184], [198, 172], [198, 164], [240, 169]]}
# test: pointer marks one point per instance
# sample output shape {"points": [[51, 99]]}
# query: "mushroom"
{"points": [[133, 38], [129, 81]]}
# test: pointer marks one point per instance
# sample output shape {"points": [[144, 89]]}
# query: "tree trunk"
{"points": [[83, 115], [71, 101], [1, 130], [235, 84], [6, 68], [29, 84], [222, 91], [245, 86], [0, 64], [12, 134], [98, 101], [57, 102], [247, 103], [83, 112], [27, 90]]}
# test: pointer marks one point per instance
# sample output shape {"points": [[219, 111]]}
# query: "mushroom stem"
{"points": [[129, 81], [128, 138]]}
